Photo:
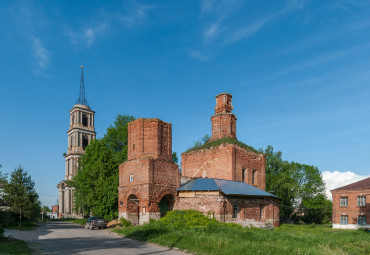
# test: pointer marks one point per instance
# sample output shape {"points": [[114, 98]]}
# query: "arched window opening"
{"points": [[254, 176], [85, 141], [244, 171], [166, 204], [84, 120]]}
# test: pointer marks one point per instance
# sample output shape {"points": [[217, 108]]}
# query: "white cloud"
{"points": [[199, 55], [102, 23], [41, 53], [338, 179]]}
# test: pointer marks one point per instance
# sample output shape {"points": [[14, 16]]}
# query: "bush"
{"points": [[125, 223], [186, 219]]}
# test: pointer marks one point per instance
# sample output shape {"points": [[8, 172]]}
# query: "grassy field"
{"points": [[210, 237], [14, 247]]}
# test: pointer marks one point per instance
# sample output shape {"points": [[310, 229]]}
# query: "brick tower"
{"points": [[149, 178], [223, 121], [81, 132], [225, 159]]}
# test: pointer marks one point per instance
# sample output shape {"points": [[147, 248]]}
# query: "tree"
{"points": [[299, 186], [175, 158], [45, 209], [96, 180], [21, 196]]}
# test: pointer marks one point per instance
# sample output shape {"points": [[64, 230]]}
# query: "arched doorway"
{"points": [[133, 209], [166, 204]]}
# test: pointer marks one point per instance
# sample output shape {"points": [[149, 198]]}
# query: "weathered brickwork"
{"points": [[250, 211], [149, 138], [352, 210], [149, 179], [149, 176], [226, 161], [223, 122]]}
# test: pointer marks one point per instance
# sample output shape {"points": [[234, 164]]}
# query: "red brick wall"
{"points": [[152, 179], [352, 210], [249, 208], [54, 208], [149, 138], [226, 161], [223, 125]]}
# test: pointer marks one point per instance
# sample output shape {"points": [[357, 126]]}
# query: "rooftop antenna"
{"points": [[82, 99]]}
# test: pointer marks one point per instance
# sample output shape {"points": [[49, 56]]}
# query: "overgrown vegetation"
{"points": [[194, 232], [205, 143]]}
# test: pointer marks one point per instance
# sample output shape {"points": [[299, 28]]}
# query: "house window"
{"points": [[131, 178], [343, 201], [235, 210], [361, 201], [361, 220], [254, 176], [343, 219], [244, 171]]}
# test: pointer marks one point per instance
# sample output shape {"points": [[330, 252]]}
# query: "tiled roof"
{"points": [[225, 186], [364, 184]]}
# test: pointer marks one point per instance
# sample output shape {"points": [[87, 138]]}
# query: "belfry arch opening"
{"points": [[133, 209], [85, 141], [85, 120], [166, 204]]}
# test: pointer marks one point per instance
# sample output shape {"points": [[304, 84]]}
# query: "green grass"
{"points": [[222, 141], [210, 237], [76, 221], [14, 247]]}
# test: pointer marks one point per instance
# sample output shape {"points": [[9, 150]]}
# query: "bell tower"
{"points": [[80, 134], [223, 121]]}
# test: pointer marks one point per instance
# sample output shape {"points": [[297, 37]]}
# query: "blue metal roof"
{"points": [[225, 186]]}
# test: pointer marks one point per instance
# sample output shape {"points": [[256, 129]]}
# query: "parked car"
{"points": [[96, 222]]}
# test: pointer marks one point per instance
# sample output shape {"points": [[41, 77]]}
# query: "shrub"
{"points": [[186, 219], [125, 223]]}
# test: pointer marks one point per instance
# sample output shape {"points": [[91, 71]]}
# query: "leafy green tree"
{"points": [[96, 181], [45, 209], [21, 196], [299, 186], [175, 158]]}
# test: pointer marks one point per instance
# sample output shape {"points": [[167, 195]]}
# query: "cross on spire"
{"points": [[82, 99]]}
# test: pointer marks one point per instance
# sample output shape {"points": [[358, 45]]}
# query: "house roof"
{"points": [[225, 186], [364, 184]]}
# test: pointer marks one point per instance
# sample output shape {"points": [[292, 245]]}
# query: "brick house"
{"points": [[351, 207], [224, 178]]}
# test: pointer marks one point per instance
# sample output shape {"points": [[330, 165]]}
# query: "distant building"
{"points": [[225, 180], [351, 205], [81, 132]]}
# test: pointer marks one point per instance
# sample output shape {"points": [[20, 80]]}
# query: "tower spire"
{"points": [[82, 99]]}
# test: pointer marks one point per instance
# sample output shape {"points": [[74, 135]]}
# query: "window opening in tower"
{"points": [[84, 120], [85, 141]]}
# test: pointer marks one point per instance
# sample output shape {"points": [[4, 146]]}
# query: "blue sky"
{"points": [[298, 71]]}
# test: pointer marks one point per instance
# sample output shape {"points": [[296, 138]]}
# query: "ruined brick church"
{"points": [[224, 179]]}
